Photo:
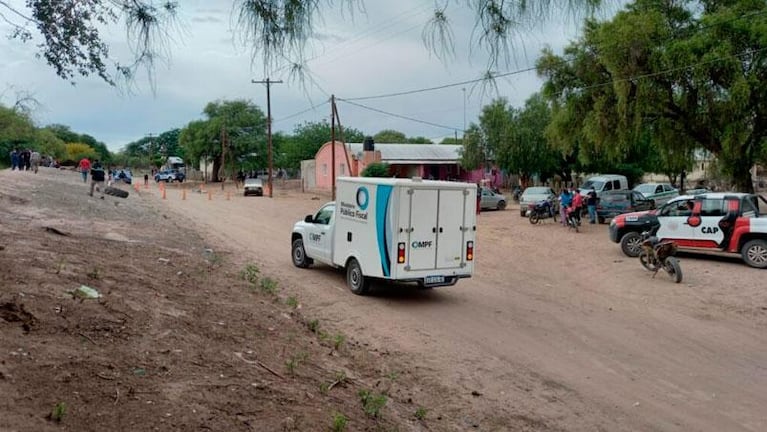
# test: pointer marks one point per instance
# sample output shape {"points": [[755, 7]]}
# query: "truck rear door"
{"points": [[435, 219]]}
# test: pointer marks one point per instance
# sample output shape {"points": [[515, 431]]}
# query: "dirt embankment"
{"points": [[188, 335]]}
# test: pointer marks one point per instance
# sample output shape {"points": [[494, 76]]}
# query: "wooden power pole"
{"points": [[268, 83]]}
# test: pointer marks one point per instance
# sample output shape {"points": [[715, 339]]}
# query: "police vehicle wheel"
{"points": [[631, 244], [357, 282], [299, 254], [755, 253]]}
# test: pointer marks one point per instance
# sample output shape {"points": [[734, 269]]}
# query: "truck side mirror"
{"points": [[309, 219]]}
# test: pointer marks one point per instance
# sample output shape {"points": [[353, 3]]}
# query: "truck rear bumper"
{"points": [[429, 282]]}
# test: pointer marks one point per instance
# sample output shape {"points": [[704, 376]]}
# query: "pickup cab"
{"points": [[726, 223]]}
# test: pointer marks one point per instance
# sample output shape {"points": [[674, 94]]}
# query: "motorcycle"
{"points": [[516, 193], [541, 210], [572, 219], [656, 255]]}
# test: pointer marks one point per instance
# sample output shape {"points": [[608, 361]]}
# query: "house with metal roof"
{"points": [[429, 161]]}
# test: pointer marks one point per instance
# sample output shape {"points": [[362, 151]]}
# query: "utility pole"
{"points": [[464, 114], [268, 83], [332, 148]]}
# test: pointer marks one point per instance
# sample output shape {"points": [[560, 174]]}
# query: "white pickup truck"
{"points": [[406, 230]]}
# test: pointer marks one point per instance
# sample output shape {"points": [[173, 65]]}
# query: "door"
{"points": [[675, 223], [422, 228], [450, 229], [318, 242], [714, 226]]}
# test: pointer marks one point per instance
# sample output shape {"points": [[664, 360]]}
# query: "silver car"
{"points": [[534, 194], [492, 200], [253, 186]]}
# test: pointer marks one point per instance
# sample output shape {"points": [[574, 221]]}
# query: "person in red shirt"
{"points": [[84, 166], [577, 205]]}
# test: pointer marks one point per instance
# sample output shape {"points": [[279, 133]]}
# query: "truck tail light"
{"points": [[470, 251], [401, 253]]}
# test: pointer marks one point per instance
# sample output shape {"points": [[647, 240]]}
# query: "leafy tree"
{"points": [[419, 140], [239, 123], [66, 135], [49, 144], [475, 151], [307, 139], [390, 136], [275, 30], [376, 169], [77, 151], [451, 140], [688, 77], [16, 131]]}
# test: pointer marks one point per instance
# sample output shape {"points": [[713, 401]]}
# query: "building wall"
{"points": [[323, 167], [308, 178]]}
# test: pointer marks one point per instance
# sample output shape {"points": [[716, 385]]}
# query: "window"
{"points": [[324, 215], [325, 170], [712, 207], [659, 189], [638, 197], [668, 188], [616, 185], [749, 210], [608, 186], [677, 208]]}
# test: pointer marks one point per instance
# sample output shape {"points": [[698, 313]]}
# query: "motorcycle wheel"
{"points": [[646, 262], [534, 217], [673, 269]]}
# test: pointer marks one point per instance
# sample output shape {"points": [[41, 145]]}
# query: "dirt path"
{"points": [[556, 328]]}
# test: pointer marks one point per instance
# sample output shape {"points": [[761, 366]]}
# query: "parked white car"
{"points": [[661, 193], [533, 194]]}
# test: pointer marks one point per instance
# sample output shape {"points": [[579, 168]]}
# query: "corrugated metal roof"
{"points": [[413, 153]]}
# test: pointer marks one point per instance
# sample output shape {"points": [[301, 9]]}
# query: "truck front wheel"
{"points": [[299, 254], [755, 253], [357, 282]]}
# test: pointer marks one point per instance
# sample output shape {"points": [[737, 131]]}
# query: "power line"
{"points": [[444, 86], [399, 115], [311, 108]]}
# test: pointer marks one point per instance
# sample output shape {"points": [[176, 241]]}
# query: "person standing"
{"points": [[25, 159], [146, 180], [34, 159], [97, 178], [14, 159], [84, 166], [591, 203], [577, 204], [565, 199]]}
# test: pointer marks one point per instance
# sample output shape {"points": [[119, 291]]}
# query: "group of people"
{"points": [[25, 160], [571, 201]]}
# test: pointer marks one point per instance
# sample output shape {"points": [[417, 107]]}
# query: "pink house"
{"points": [[428, 161]]}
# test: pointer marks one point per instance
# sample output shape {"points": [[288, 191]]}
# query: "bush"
{"points": [[376, 169]]}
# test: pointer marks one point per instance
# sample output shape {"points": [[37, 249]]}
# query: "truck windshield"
{"points": [[325, 215]]}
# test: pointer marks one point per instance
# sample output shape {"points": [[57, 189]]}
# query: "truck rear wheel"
{"points": [[299, 254], [357, 282]]}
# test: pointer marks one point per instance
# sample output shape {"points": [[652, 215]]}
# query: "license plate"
{"points": [[434, 280]]}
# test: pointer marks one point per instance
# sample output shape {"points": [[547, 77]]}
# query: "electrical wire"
{"points": [[311, 108], [399, 115]]}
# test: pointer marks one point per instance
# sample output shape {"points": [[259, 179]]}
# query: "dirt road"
{"points": [[556, 328]]}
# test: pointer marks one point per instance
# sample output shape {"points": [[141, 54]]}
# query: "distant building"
{"points": [[428, 161]]}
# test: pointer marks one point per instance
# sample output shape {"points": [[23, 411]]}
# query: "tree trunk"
{"points": [[216, 168], [741, 176]]}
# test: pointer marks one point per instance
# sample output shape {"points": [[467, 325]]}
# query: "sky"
{"points": [[377, 51]]}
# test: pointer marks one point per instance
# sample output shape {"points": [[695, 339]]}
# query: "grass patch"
{"points": [[372, 403], [292, 302], [338, 341], [251, 273], [420, 413], [268, 286], [58, 412], [295, 361], [339, 422], [313, 326]]}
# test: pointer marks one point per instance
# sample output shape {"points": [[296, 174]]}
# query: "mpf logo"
{"points": [[421, 244], [363, 198]]}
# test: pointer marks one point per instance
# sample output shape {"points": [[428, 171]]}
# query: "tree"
{"points": [[275, 30], [307, 139], [390, 136], [686, 77], [239, 125], [475, 150], [16, 131], [77, 151], [451, 140]]}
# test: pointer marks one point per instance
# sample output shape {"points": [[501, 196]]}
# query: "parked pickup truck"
{"points": [[728, 223]]}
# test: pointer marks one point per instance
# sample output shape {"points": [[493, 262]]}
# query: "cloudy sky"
{"points": [[378, 51]]}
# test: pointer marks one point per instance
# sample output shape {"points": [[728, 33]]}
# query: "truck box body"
{"points": [[433, 220], [398, 229]]}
